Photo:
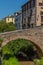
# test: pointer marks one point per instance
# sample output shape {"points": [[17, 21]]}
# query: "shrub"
{"points": [[4, 27], [38, 61], [10, 61]]}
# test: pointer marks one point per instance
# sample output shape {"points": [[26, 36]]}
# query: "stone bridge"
{"points": [[34, 35]]}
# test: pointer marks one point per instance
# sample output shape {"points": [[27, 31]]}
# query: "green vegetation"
{"points": [[10, 61], [1, 40], [15, 46], [12, 49], [38, 61], [19, 45], [4, 27]]}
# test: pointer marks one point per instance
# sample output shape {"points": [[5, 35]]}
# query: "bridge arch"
{"points": [[34, 35], [26, 38]]}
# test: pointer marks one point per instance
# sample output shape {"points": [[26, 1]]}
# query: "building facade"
{"points": [[32, 14], [18, 21], [10, 18]]}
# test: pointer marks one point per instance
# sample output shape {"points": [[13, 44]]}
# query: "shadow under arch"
{"points": [[40, 53], [33, 42]]}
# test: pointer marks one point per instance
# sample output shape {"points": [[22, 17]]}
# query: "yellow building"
{"points": [[10, 18]]}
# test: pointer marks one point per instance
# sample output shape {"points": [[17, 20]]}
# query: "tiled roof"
{"points": [[10, 16]]}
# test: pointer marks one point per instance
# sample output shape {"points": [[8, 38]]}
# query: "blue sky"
{"points": [[10, 6]]}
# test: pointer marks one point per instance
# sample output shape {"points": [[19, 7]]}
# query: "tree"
{"points": [[4, 27]]}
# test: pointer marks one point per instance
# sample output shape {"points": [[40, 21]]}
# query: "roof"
{"points": [[17, 13], [10, 16]]}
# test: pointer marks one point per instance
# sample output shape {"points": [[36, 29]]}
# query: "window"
{"points": [[41, 18], [24, 26], [24, 8], [33, 3], [24, 20], [40, 4], [33, 11], [24, 13], [29, 5], [41, 13], [32, 25], [28, 19], [8, 19], [12, 19], [16, 19]]}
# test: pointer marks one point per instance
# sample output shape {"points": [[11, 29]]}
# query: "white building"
{"points": [[18, 21]]}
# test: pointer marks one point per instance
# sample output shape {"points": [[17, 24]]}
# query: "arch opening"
{"points": [[23, 53]]}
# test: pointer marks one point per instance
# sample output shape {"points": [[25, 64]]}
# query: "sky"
{"points": [[8, 7]]}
